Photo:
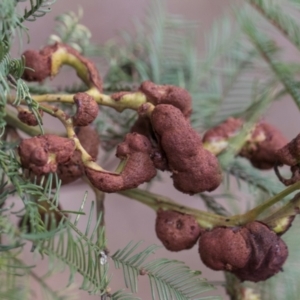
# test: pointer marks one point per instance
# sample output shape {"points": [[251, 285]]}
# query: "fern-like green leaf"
{"points": [[169, 279], [254, 178], [9, 21], [131, 264], [83, 254], [38, 8], [70, 31], [224, 74], [274, 12], [81, 257], [266, 47], [122, 295]]}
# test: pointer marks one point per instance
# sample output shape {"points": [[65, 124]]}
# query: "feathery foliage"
{"points": [[70, 31], [121, 295], [169, 279], [275, 13], [242, 72], [37, 9], [9, 21], [253, 178]]}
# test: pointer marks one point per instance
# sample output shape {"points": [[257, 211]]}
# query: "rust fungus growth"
{"points": [[193, 168], [223, 131], [93, 77], [27, 116], [261, 149], [118, 95], [135, 150], [74, 169], [38, 66], [252, 252], [87, 109], [42, 154], [217, 138], [168, 94], [177, 231], [143, 126], [47, 62], [289, 154]]}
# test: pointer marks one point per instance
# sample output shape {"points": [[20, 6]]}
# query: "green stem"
{"points": [[127, 101], [100, 211], [13, 121], [281, 220], [233, 286], [252, 214], [68, 124], [205, 219]]}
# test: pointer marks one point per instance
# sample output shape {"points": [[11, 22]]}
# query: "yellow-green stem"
{"points": [[11, 119], [254, 213], [205, 219], [281, 220], [128, 101], [68, 123]]}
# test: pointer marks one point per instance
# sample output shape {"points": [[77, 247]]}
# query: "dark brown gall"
{"points": [[168, 94], [177, 231], [193, 168], [252, 252]]}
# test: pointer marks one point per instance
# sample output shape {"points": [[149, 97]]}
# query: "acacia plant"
{"points": [[160, 108]]}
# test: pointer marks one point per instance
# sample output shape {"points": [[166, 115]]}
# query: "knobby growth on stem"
{"points": [[158, 113]]}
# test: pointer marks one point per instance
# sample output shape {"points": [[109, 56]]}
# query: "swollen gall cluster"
{"points": [[161, 138], [193, 168], [252, 252], [260, 147]]}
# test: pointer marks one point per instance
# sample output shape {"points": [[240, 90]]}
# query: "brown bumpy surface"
{"points": [[87, 109], [168, 94], [252, 252], [194, 169], [26, 116], [74, 169], [136, 149], [41, 63], [177, 231], [42, 154], [263, 155], [290, 153], [38, 66], [224, 130], [93, 74], [224, 249], [269, 252], [143, 126]]}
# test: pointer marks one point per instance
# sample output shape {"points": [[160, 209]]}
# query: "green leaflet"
{"points": [[169, 279], [37, 9]]}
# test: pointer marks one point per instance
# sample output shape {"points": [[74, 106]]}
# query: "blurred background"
{"points": [[128, 220]]}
